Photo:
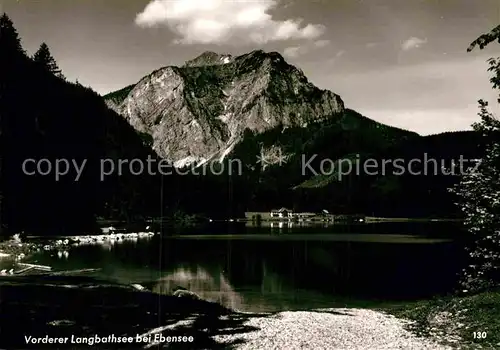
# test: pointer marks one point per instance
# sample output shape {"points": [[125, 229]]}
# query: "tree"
{"points": [[44, 58], [486, 39], [10, 42], [479, 192]]}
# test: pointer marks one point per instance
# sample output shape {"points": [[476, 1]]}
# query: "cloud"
{"points": [[218, 21], [413, 43], [340, 53], [296, 51], [371, 45], [336, 57], [322, 43]]}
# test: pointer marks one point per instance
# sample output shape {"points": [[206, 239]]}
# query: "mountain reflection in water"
{"points": [[213, 287], [273, 294]]}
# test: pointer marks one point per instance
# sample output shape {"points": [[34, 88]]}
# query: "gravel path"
{"points": [[343, 329]]}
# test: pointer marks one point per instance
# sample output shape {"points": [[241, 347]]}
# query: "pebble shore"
{"points": [[332, 329]]}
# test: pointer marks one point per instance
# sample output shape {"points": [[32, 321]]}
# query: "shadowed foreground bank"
{"points": [[66, 306], [85, 308]]}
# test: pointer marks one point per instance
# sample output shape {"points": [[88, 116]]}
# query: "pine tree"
{"points": [[10, 43], [44, 58], [479, 192]]}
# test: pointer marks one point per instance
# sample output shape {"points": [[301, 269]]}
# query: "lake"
{"points": [[282, 268]]}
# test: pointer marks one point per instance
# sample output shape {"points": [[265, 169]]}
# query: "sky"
{"points": [[403, 63]]}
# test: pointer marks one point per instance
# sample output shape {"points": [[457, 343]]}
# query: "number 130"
{"points": [[479, 335]]}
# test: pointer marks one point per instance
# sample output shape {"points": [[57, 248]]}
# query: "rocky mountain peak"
{"points": [[209, 58], [200, 111], [261, 54]]}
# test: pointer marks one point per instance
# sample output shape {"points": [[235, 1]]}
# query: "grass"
{"points": [[456, 320]]}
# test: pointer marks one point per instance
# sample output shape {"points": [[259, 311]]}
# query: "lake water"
{"points": [[282, 268]]}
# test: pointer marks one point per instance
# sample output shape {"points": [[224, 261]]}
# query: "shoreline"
{"points": [[17, 250], [365, 220], [332, 328], [341, 219]]}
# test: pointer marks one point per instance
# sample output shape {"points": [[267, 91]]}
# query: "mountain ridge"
{"points": [[270, 87], [198, 112]]}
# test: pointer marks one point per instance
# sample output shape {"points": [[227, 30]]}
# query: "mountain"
{"points": [[411, 179], [200, 111], [263, 112], [209, 58]]}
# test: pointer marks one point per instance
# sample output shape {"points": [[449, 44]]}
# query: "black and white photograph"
{"points": [[250, 174]]}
